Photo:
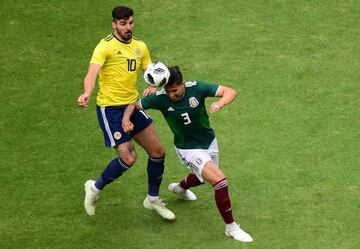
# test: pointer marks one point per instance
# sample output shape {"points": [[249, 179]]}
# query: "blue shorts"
{"points": [[110, 119]]}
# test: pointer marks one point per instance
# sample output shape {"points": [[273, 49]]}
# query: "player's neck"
{"points": [[183, 94]]}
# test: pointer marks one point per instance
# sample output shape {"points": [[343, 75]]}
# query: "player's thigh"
{"points": [[212, 173], [149, 140], [195, 160], [214, 151], [110, 118], [126, 151]]}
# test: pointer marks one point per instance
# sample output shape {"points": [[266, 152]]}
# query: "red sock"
{"points": [[222, 200], [190, 181]]}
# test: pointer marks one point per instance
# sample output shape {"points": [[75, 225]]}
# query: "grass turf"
{"points": [[289, 143]]}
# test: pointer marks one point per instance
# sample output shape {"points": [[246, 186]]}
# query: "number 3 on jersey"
{"points": [[186, 118]]}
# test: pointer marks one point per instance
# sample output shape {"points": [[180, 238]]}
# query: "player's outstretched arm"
{"points": [[89, 83], [226, 94]]}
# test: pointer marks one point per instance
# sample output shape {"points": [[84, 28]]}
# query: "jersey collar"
{"points": [[121, 40]]}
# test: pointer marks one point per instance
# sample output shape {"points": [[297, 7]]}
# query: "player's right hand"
{"points": [[83, 100], [214, 107]]}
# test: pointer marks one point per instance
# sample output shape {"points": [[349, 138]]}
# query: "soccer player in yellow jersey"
{"points": [[116, 62]]}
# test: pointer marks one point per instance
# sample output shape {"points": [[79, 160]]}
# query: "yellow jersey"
{"points": [[120, 63]]}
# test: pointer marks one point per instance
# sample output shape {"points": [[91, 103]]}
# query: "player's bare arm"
{"points": [[126, 124], [89, 84], [226, 94]]}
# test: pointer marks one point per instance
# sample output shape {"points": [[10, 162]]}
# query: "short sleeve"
{"points": [[146, 60], [150, 102], [208, 89], [99, 54]]}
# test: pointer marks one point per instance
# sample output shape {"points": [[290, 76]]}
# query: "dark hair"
{"points": [[121, 12], [175, 76]]}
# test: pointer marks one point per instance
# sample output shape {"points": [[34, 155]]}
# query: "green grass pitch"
{"points": [[289, 143]]}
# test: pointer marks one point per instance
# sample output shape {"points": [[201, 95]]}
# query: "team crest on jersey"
{"points": [[117, 135], [137, 52], [198, 161], [193, 102]]}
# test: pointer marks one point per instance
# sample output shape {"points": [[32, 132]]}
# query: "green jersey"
{"points": [[187, 118]]}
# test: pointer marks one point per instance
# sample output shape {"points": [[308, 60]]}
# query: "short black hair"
{"points": [[122, 12], [175, 76]]}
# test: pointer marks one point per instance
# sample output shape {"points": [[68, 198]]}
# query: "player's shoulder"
{"points": [[197, 85], [157, 94], [160, 92], [201, 87], [191, 83], [201, 84], [107, 39], [138, 41], [157, 98]]}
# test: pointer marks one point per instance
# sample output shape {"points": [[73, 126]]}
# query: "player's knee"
{"points": [[127, 153], [158, 152], [129, 159], [215, 179], [220, 174], [212, 173]]}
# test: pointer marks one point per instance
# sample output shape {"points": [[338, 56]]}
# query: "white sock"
{"points": [[231, 226], [94, 188], [152, 198], [179, 189]]}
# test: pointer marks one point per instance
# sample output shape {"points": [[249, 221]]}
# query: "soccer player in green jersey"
{"points": [[183, 107], [117, 59]]}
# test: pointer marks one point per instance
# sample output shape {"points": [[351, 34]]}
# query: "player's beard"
{"points": [[124, 36]]}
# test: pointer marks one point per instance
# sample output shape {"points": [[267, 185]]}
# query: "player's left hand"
{"points": [[149, 91]]}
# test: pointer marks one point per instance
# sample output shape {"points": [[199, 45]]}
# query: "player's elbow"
{"points": [[233, 93]]}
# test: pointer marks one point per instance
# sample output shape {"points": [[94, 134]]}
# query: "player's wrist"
{"points": [[219, 104], [87, 94]]}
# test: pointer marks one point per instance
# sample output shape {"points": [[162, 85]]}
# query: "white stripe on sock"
{"points": [[222, 184]]}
